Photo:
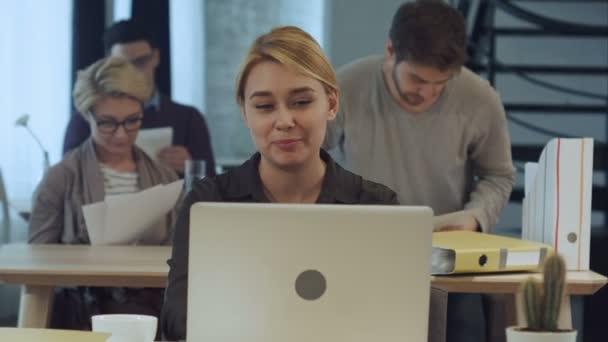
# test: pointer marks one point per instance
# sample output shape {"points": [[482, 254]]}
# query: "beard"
{"points": [[412, 99]]}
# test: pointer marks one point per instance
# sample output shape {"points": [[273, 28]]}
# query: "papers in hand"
{"points": [[122, 219], [152, 140]]}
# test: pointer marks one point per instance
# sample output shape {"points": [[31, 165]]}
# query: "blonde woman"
{"points": [[287, 92], [109, 94]]}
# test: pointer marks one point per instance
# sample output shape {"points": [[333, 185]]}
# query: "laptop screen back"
{"points": [[291, 272]]}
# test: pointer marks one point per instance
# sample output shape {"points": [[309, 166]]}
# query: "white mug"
{"points": [[126, 328]]}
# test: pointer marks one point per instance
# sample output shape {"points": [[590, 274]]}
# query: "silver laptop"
{"points": [[291, 272]]}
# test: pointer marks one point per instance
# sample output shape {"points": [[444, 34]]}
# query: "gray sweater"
{"points": [[455, 156], [77, 180]]}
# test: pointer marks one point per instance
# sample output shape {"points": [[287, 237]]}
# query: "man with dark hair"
{"points": [[421, 123], [191, 139]]}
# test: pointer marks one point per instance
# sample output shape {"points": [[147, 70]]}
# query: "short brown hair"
{"points": [[293, 48], [431, 33], [109, 77]]}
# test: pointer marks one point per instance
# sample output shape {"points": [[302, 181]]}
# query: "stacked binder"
{"points": [[472, 252], [557, 202]]}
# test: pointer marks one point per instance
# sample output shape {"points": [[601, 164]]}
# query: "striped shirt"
{"points": [[119, 182], [116, 183]]}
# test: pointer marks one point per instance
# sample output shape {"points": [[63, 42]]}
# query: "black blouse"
{"points": [[243, 184]]}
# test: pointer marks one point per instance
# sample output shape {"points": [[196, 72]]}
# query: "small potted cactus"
{"points": [[542, 303]]}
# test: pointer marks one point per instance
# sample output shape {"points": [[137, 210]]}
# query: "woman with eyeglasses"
{"points": [[110, 95]]}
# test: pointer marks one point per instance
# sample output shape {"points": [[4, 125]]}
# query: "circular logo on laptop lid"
{"points": [[310, 285]]}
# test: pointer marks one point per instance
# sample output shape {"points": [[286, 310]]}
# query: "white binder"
{"points": [[557, 202]]}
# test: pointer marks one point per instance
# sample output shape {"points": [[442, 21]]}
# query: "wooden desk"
{"points": [[579, 283], [41, 267], [51, 335]]}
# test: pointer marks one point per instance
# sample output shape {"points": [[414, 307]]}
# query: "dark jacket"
{"points": [[189, 130], [243, 184]]}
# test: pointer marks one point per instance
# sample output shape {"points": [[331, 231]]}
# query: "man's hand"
{"points": [[175, 157], [459, 220]]}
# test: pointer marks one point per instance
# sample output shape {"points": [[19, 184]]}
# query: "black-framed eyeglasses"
{"points": [[109, 126]]}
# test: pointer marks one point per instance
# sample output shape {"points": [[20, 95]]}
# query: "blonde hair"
{"points": [[109, 77], [293, 48]]}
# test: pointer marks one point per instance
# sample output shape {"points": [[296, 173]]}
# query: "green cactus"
{"points": [[554, 278], [532, 303], [542, 307]]}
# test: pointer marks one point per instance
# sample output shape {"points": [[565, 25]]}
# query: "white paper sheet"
{"points": [[95, 219], [152, 140], [121, 219]]}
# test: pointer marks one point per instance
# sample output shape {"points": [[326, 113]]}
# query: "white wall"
{"points": [[357, 28], [230, 28]]}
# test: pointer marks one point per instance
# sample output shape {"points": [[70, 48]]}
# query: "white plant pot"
{"points": [[516, 335]]}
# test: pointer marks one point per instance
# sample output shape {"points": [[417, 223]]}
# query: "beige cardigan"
{"points": [[77, 180]]}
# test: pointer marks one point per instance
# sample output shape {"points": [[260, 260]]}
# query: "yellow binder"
{"points": [[472, 252]]}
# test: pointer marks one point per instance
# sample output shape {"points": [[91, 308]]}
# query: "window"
{"points": [[35, 40]]}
